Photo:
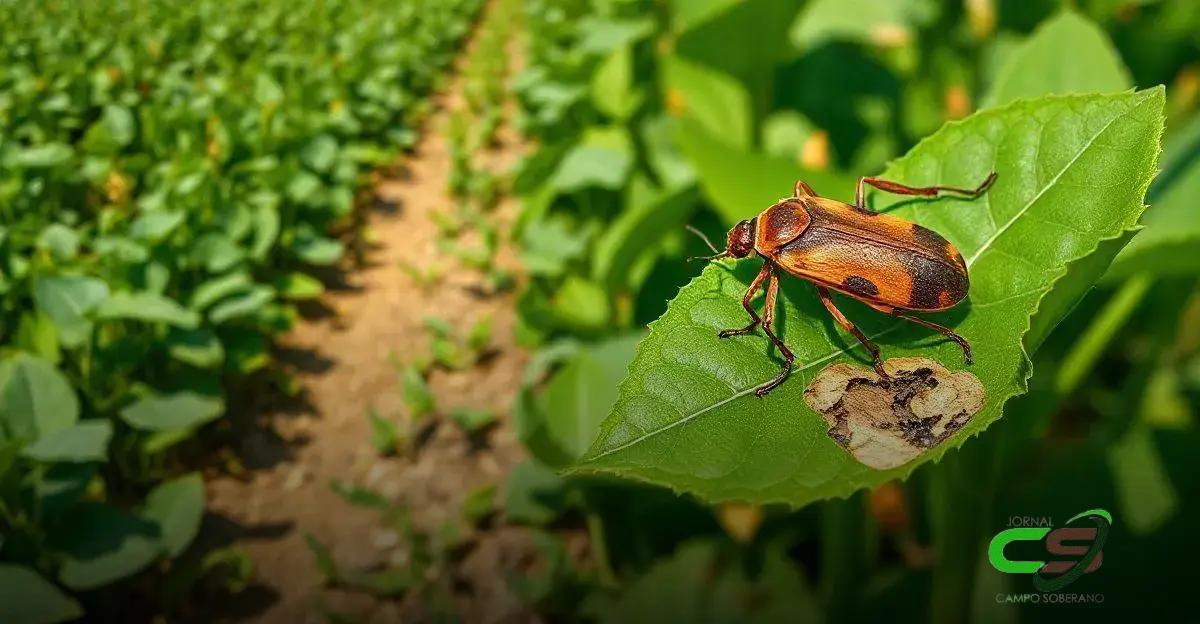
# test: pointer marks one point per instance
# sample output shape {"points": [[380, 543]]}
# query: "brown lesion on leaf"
{"points": [[887, 424]]}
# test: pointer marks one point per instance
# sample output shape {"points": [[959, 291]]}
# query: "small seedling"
{"points": [[386, 436], [417, 398], [480, 334], [473, 421]]}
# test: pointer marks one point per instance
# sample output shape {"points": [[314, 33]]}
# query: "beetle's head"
{"points": [[740, 242]]}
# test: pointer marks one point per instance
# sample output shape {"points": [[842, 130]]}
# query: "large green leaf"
{"points": [[84, 442], [35, 399], [879, 22], [177, 507], [67, 300], [1168, 243], [602, 158], [1066, 54], [182, 410], [714, 100], [560, 423], [148, 307], [637, 231], [27, 598], [1072, 173], [102, 544], [742, 184]]}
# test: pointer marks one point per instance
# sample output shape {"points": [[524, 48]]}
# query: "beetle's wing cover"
{"points": [[877, 258]]}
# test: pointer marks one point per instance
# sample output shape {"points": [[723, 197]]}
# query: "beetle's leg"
{"points": [[746, 299], [768, 327], [802, 189], [945, 331], [848, 326], [925, 191]]}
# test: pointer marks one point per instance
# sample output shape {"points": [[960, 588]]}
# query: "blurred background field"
{"points": [[461, 215]]}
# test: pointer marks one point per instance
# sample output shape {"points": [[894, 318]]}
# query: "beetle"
{"points": [[890, 264]]}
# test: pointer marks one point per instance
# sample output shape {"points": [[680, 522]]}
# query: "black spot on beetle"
{"points": [[860, 286], [928, 238], [930, 278]]}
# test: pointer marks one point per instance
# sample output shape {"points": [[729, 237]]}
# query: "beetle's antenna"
{"points": [[723, 254], [703, 238]]}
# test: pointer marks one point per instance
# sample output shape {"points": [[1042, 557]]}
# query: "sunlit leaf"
{"points": [[147, 307], [182, 410], [1066, 54], [85, 441], [68, 299], [177, 507], [1072, 172], [35, 399]]}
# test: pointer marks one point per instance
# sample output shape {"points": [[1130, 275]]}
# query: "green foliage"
{"points": [[169, 173], [1067, 54], [27, 597], [691, 392]]}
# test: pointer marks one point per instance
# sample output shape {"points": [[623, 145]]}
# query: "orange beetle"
{"points": [[886, 262]]}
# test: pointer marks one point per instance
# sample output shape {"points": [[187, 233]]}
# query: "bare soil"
{"points": [[343, 360]]}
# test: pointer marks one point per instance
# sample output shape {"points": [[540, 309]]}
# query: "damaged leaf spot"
{"points": [[887, 424]]}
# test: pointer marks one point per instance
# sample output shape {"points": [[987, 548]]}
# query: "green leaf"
{"points": [[147, 307], [60, 241], [199, 347], [67, 300], [35, 399], [637, 231], [216, 252], [568, 413], [86, 441], [1167, 244], [602, 158], [417, 397], [741, 184], [688, 13], [581, 305], [473, 421], [1066, 54], [702, 589], [27, 598], [153, 226], [217, 288], [177, 507], [244, 304], [686, 416], [182, 410], [103, 544], [714, 100], [299, 286], [37, 334], [385, 434], [44, 156], [533, 494], [612, 84], [885, 23], [319, 250], [320, 153]]}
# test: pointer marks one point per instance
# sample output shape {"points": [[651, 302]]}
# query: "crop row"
{"points": [[171, 174]]}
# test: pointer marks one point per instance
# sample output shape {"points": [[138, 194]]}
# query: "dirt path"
{"points": [[344, 363]]}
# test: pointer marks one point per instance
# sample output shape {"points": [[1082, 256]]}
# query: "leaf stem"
{"points": [[1080, 361]]}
